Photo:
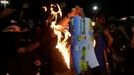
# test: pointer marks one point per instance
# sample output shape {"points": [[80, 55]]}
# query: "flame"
{"points": [[62, 35], [45, 8]]}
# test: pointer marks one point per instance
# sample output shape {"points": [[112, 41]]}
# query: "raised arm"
{"points": [[109, 37], [30, 47], [77, 11]]}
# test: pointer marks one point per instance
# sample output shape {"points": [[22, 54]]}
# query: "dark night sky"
{"points": [[117, 8], [120, 7]]}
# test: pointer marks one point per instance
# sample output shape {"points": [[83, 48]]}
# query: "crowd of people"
{"points": [[114, 48], [27, 48]]}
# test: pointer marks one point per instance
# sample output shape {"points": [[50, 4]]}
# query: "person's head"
{"points": [[12, 27], [111, 20], [130, 21], [130, 25]]}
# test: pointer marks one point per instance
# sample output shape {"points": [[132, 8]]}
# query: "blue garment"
{"points": [[99, 50]]}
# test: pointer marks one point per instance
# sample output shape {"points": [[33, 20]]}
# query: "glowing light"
{"points": [[4, 2], [7, 74], [62, 35], [95, 7], [124, 18], [94, 44], [93, 23]]}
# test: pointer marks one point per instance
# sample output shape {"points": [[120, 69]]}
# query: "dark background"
{"points": [[117, 8]]}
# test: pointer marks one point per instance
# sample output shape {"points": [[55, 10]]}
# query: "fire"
{"points": [[45, 8], [62, 35]]}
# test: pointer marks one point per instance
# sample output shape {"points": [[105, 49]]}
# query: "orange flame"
{"points": [[45, 8], [61, 35]]}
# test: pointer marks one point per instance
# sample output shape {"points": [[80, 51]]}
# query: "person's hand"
{"points": [[77, 11], [108, 68]]}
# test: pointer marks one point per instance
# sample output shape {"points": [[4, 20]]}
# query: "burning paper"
{"points": [[83, 44]]}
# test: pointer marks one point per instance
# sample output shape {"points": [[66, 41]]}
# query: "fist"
{"points": [[77, 11]]}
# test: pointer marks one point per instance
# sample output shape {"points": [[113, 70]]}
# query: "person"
{"points": [[100, 51], [119, 48], [51, 61], [4, 17], [130, 52], [45, 43], [13, 27], [108, 52]]}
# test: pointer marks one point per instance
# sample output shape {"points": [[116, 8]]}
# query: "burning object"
{"points": [[60, 55], [82, 44]]}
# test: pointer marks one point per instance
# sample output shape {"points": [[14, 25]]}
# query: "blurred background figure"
{"points": [[120, 47], [13, 27], [101, 50], [109, 41]]}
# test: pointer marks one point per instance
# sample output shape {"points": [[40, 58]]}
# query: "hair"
{"points": [[128, 26]]}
